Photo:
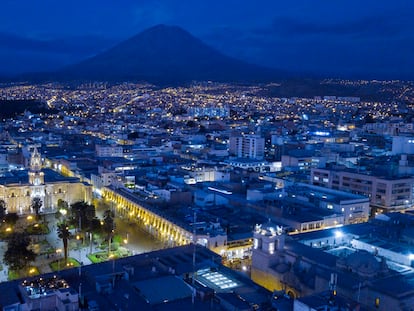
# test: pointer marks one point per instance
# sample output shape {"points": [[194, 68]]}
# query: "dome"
{"points": [[269, 229]]}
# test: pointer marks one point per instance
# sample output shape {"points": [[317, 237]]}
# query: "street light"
{"points": [[58, 251], [126, 239], [80, 256]]}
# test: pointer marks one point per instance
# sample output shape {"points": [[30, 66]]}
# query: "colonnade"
{"points": [[128, 205]]}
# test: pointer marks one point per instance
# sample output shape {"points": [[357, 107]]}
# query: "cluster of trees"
{"points": [[8, 218], [81, 215], [18, 253]]}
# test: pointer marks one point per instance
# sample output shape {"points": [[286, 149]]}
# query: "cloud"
{"points": [[374, 46], [69, 45], [378, 26], [20, 54]]}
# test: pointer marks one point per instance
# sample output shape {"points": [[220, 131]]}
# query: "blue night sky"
{"points": [[352, 38]]}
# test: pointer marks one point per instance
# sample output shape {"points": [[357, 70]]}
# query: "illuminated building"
{"points": [[247, 146], [387, 193], [313, 262], [18, 188]]}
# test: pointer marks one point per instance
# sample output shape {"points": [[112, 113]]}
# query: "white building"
{"points": [[247, 146], [403, 144], [385, 193], [21, 187], [205, 174], [106, 151]]}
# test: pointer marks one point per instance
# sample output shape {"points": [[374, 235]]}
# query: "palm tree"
{"points": [[94, 227], [108, 226], [36, 205], [82, 215], [2, 210], [64, 234]]}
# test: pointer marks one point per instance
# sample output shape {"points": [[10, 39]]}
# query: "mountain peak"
{"points": [[165, 54], [163, 28]]}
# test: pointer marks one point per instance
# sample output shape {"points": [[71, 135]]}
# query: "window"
{"points": [[272, 247]]}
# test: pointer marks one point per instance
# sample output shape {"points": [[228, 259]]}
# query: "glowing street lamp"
{"points": [[126, 239], [339, 234], [58, 251]]}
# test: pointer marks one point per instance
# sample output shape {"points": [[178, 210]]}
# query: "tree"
{"points": [[36, 205], [11, 218], [63, 208], [18, 255], [108, 226], [62, 204], [95, 227], [191, 123], [65, 235], [2, 210], [82, 215]]}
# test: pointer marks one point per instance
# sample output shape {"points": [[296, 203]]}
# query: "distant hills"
{"points": [[12, 108], [165, 54], [168, 55]]}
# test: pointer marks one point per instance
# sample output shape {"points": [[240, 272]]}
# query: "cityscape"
{"points": [[160, 173]]}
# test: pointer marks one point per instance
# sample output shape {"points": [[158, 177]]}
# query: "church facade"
{"points": [[19, 188]]}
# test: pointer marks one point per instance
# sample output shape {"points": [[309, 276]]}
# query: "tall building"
{"points": [[247, 146]]}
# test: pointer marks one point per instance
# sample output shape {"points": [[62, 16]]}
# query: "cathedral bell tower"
{"points": [[36, 176], [268, 242]]}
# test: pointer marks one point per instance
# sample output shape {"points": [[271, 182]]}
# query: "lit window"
{"points": [[271, 248], [255, 243]]}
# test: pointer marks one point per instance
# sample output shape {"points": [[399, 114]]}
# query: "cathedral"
{"points": [[18, 188]]}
